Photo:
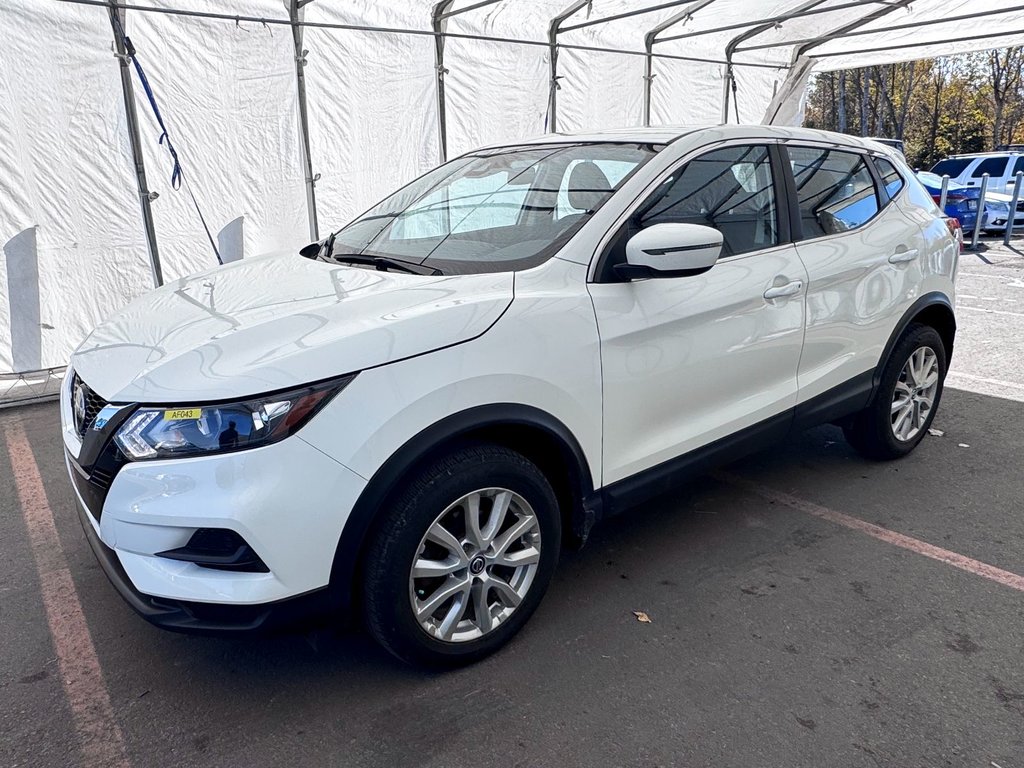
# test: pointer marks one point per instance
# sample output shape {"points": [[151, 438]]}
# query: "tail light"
{"points": [[955, 230]]}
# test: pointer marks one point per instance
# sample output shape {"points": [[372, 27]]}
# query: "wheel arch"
{"points": [[932, 309], [536, 434]]}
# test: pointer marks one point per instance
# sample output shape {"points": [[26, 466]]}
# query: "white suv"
{"points": [[967, 170], [413, 419]]}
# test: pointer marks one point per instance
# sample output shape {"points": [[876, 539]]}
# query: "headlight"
{"points": [[190, 430]]}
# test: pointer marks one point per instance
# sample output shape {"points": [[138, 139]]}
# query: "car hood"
{"points": [[274, 322]]}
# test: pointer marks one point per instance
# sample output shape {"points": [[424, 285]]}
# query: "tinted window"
{"points": [[728, 189], [993, 166], [892, 181], [1019, 165], [952, 167], [835, 191], [494, 210]]}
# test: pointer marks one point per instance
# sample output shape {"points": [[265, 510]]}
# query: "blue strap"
{"points": [[176, 173]]}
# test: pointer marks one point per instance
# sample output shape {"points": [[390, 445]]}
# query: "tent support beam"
{"points": [[797, 71], [961, 39], [730, 49], [829, 37], [270, 21], [135, 141], [553, 29], [626, 15], [295, 14], [692, 6], [774, 19], [439, 24]]}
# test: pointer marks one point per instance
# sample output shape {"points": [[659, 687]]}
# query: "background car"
{"points": [[967, 170], [896, 144], [962, 204]]}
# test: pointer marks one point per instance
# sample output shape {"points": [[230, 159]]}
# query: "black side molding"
{"points": [[670, 474]]}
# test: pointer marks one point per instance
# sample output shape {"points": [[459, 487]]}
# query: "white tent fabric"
{"points": [[73, 246]]}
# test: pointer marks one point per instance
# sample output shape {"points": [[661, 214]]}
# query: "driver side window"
{"points": [[730, 189]]}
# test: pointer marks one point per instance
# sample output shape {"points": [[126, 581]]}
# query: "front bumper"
{"points": [[205, 618], [288, 501]]}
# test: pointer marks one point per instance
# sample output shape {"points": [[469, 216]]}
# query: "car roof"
{"points": [[972, 155], [666, 134]]}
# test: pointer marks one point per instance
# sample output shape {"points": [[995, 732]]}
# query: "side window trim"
{"points": [[875, 180], [880, 189], [602, 272]]}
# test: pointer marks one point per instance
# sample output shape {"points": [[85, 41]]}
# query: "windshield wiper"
{"points": [[385, 264]]}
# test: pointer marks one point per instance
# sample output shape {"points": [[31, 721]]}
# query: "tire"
{"points": [[439, 500], [881, 432]]}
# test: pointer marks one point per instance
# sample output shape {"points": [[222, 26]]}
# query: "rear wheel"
{"points": [[462, 557], [904, 405]]}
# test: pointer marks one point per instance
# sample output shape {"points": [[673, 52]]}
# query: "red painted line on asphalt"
{"points": [[964, 563], [99, 736]]}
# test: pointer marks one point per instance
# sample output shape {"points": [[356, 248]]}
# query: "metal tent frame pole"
{"points": [[837, 35], [729, 86], [652, 37], [553, 30], [117, 17], [295, 14], [439, 24], [773, 20], [845, 29], [438, 21]]}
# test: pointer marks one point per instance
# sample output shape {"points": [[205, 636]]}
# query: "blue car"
{"points": [[961, 201]]}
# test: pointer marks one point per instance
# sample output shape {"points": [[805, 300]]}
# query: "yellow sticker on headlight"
{"points": [[183, 414]]}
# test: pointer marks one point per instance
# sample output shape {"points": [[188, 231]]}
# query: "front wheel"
{"points": [[462, 557], [908, 395]]}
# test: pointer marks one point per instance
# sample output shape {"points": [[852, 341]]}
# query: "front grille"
{"points": [[93, 404]]}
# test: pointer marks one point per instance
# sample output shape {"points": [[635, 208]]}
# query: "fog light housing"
{"points": [[220, 549]]}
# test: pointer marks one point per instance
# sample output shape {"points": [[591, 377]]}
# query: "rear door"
{"points": [[863, 257], [997, 168]]}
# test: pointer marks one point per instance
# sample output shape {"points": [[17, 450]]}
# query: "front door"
{"points": [[689, 360]]}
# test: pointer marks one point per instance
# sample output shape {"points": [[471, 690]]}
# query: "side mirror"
{"points": [[670, 250], [311, 251]]}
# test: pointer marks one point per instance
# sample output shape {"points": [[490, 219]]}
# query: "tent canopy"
{"points": [[291, 116]]}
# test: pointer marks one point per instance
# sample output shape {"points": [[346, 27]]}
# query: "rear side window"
{"points": [[1019, 165], [892, 181], [993, 166], [834, 189], [952, 167]]}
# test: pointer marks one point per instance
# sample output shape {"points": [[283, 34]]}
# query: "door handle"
{"points": [[902, 257], [781, 291]]}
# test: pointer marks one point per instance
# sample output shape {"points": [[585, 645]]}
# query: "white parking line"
{"points": [[99, 736], [990, 311], [984, 379]]}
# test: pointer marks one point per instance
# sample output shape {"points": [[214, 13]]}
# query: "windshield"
{"points": [[952, 167], [494, 210]]}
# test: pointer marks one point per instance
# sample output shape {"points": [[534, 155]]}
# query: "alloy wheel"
{"points": [[914, 395], [474, 565]]}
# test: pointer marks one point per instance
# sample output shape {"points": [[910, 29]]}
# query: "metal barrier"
{"points": [[942, 192], [981, 212], [1013, 207], [30, 386]]}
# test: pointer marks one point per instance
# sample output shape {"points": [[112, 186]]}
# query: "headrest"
{"points": [[588, 186]]}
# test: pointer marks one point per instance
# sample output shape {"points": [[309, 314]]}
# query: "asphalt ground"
{"points": [[788, 627]]}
